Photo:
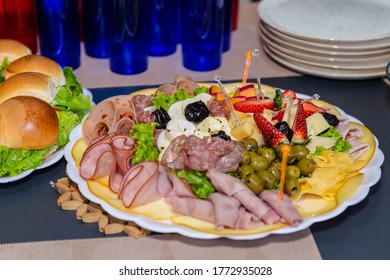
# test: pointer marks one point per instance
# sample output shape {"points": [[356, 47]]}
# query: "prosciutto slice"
{"points": [[284, 207]]}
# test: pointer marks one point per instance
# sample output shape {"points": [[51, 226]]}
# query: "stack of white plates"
{"points": [[345, 39]]}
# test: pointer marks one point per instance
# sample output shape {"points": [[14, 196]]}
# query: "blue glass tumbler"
{"points": [[163, 27], [59, 31], [95, 29], [227, 26], [202, 34], [128, 38]]}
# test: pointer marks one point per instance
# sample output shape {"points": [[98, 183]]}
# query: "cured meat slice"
{"points": [[232, 186], [226, 210], [135, 179], [194, 207], [284, 207]]}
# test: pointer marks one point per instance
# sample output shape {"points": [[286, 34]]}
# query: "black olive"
{"points": [[162, 117], [331, 119], [222, 134], [285, 129], [196, 112]]}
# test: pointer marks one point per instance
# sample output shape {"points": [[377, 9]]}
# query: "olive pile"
{"points": [[260, 167]]}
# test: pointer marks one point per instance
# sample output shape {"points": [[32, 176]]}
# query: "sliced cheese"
{"points": [[318, 123], [243, 131], [325, 142], [214, 124]]}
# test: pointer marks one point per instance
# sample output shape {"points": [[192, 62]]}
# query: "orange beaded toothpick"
{"points": [[247, 64], [285, 150]]}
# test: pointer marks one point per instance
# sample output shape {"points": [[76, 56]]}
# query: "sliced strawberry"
{"points": [[253, 106], [299, 126], [278, 116], [271, 134], [311, 108], [289, 92]]}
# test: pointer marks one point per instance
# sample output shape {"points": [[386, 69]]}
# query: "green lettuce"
{"points": [[200, 184], [14, 162], [202, 89], [70, 97], [143, 134], [162, 100], [341, 144], [3, 65], [67, 121]]}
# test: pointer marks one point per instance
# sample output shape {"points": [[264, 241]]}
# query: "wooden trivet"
{"points": [[71, 199]]}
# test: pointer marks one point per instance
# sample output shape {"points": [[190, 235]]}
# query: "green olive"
{"points": [[251, 144], [252, 154], [301, 151], [267, 178], [259, 163], [254, 183], [275, 171], [277, 164], [292, 154], [306, 166], [246, 159], [292, 187], [246, 170], [292, 171], [269, 154]]}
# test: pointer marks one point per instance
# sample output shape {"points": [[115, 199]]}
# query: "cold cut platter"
{"points": [[202, 175]]}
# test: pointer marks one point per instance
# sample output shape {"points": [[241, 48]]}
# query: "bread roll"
{"points": [[27, 122], [12, 49], [36, 63], [28, 84]]}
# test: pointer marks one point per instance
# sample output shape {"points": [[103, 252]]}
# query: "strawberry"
{"points": [[271, 134], [289, 92], [311, 108], [299, 126], [278, 116], [254, 105]]}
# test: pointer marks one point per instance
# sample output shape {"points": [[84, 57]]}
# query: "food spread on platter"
{"points": [[253, 163], [40, 104]]}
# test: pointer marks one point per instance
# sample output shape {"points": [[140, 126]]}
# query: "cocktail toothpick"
{"points": [[314, 97], [237, 121], [247, 64], [260, 94], [285, 150]]}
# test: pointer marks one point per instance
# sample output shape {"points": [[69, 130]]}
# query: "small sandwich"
{"points": [[43, 78], [29, 130], [11, 50]]}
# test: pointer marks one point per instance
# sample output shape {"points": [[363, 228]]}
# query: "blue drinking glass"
{"points": [[227, 26], [95, 29], [163, 27], [128, 38], [202, 34], [59, 31]]}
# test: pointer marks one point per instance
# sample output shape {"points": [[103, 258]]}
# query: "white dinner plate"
{"points": [[372, 174], [55, 157], [333, 21], [324, 72]]}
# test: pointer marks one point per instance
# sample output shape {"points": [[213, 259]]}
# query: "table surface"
{"points": [[34, 227]]}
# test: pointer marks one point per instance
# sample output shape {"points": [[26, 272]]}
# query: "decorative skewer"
{"points": [[247, 64], [285, 150], [314, 97], [260, 94], [237, 121]]}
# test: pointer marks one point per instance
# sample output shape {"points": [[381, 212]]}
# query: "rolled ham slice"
{"points": [[226, 210], [284, 207], [232, 186], [194, 207]]}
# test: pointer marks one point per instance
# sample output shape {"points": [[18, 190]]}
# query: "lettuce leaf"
{"points": [[162, 100], [143, 134], [14, 162], [200, 184], [67, 121], [3, 65], [70, 97], [341, 144]]}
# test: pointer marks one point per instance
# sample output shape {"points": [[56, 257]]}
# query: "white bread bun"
{"points": [[27, 122], [12, 49], [28, 84], [36, 63]]}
